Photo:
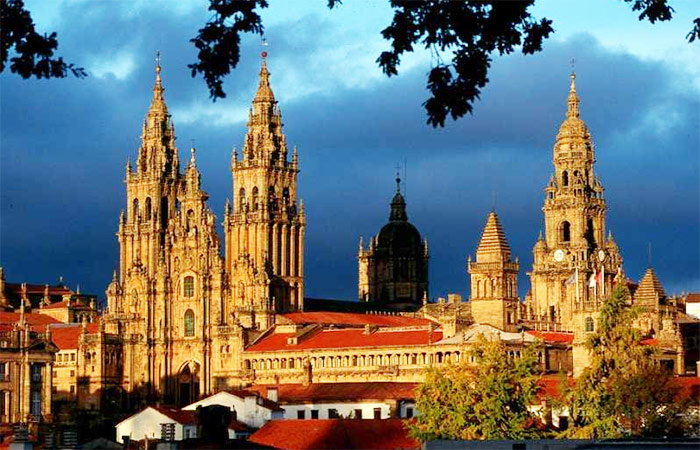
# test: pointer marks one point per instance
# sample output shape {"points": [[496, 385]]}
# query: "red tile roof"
{"points": [[346, 338], [693, 297], [66, 336], [16, 288], [37, 322], [262, 400], [368, 434], [66, 304], [178, 415], [340, 318], [552, 336], [327, 392]]}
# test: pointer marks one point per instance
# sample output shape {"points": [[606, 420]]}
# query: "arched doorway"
{"points": [[188, 383]]}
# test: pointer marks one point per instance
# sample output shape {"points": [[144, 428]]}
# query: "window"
{"points": [[189, 323], [358, 414], [72, 356], [36, 373], [148, 208], [377, 413], [409, 412], [36, 403], [54, 374], [72, 389], [589, 324], [565, 231], [241, 199], [332, 413], [565, 178], [72, 373], [54, 389], [135, 209], [254, 199], [314, 413], [301, 414], [188, 286]]}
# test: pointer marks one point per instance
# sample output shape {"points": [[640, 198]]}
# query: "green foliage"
{"points": [[33, 53], [624, 392], [483, 399]]}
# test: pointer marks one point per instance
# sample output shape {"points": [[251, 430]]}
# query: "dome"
{"points": [[399, 235]]}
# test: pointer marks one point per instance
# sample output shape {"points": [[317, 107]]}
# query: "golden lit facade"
{"points": [[265, 226], [574, 249]]}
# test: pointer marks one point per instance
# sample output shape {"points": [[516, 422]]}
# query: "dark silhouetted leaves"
{"points": [[29, 53]]}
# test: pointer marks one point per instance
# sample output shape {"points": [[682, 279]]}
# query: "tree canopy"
{"points": [[485, 396], [625, 391], [465, 33]]}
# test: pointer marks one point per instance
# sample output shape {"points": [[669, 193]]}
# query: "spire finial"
{"points": [[263, 44], [398, 179], [572, 101], [158, 62], [192, 152]]}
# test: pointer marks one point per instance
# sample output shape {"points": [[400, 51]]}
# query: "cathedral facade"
{"points": [[184, 312]]}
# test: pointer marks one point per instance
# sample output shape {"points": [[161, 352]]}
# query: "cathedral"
{"points": [[188, 315], [184, 303]]}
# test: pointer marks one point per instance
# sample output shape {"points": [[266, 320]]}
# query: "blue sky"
{"points": [[64, 143]]}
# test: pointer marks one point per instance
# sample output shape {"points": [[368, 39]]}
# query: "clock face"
{"points": [[559, 255], [601, 255]]}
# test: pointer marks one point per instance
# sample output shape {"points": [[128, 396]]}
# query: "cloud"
{"points": [[65, 143]]}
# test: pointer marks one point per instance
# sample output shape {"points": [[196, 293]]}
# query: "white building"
{"points": [[146, 424], [380, 400], [248, 407]]}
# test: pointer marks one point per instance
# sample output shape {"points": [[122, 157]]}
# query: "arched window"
{"points": [[189, 323], [254, 199], [565, 231], [135, 209], [271, 198], [285, 195], [478, 289], [190, 219], [589, 324], [188, 286], [241, 198], [148, 208], [565, 178]]}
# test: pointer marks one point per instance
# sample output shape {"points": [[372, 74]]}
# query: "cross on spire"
{"points": [[572, 62], [263, 44]]}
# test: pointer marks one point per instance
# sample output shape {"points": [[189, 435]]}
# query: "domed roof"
{"points": [[399, 234]]}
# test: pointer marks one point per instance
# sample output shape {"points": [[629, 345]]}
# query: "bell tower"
{"points": [[151, 189], [265, 224], [574, 265], [494, 279]]}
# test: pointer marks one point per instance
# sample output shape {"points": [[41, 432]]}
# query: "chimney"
{"points": [[272, 394]]}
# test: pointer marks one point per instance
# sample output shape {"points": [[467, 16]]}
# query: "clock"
{"points": [[559, 255], [601, 255]]}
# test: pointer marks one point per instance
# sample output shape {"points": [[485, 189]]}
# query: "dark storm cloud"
{"points": [[65, 143]]}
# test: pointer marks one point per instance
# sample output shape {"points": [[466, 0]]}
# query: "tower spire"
{"points": [[572, 101], [398, 204]]}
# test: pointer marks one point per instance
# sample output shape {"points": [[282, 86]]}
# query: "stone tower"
{"points": [[574, 266], [169, 285], [265, 226], [393, 269], [494, 279]]}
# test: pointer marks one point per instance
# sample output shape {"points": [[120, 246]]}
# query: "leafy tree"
{"points": [[33, 53], [466, 33], [484, 399], [624, 391]]}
